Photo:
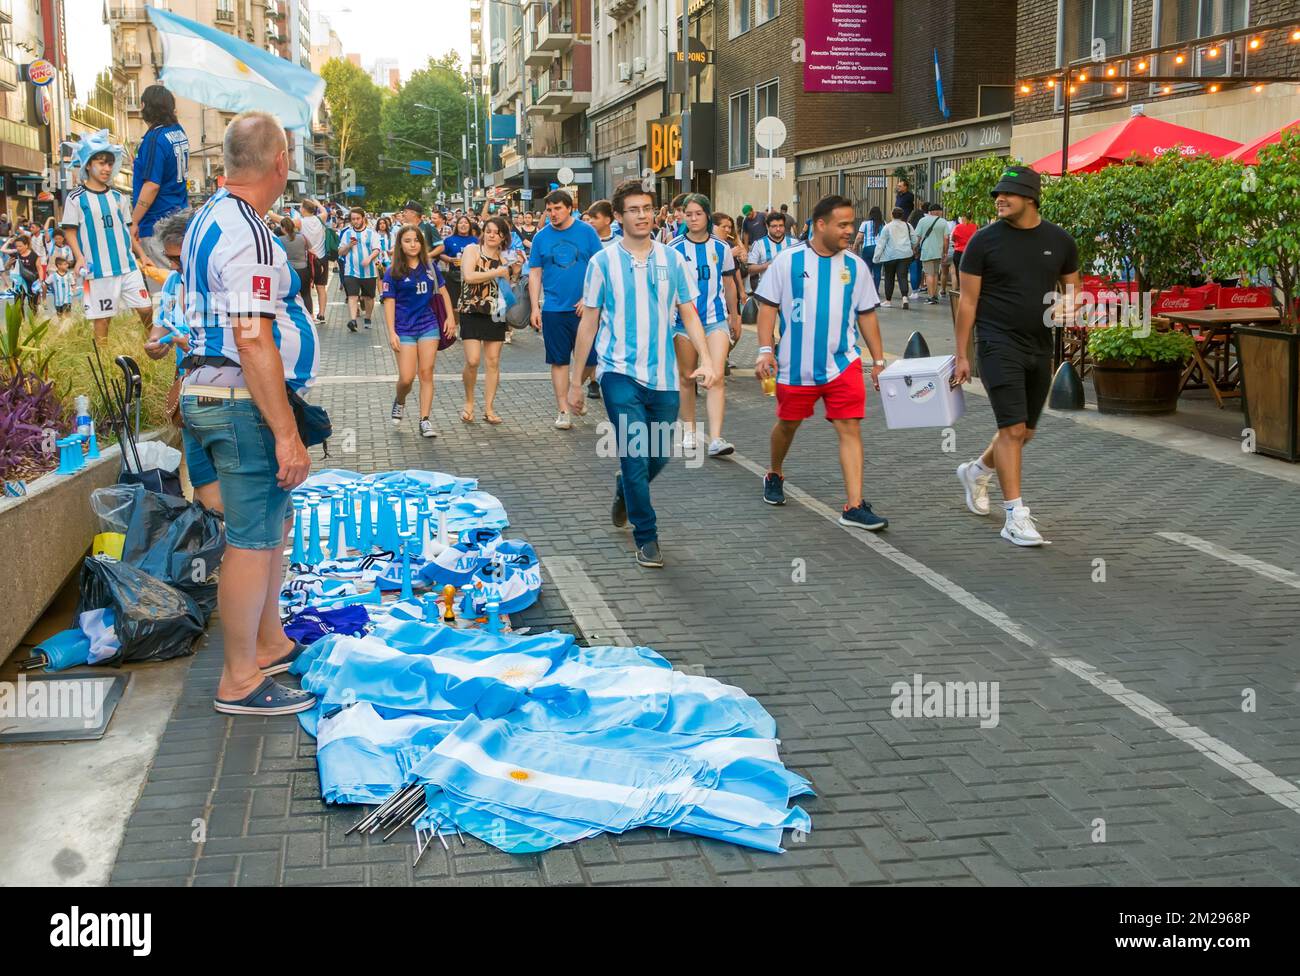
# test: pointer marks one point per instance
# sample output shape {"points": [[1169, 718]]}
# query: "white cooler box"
{"points": [[915, 393]]}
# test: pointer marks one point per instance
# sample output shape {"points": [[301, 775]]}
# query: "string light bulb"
{"points": [[1051, 82], [1179, 59], [1212, 52], [1166, 90], [1255, 43], [1083, 76], [1119, 89], [1142, 66], [1213, 89], [1259, 89], [1110, 72], [1024, 89], [1295, 35]]}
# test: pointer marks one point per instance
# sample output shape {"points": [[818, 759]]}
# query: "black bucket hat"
{"points": [[1020, 180]]}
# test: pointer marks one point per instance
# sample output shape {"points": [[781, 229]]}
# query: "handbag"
{"points": [[440, 313], [916, 251], [519, 310], [311, 419]]}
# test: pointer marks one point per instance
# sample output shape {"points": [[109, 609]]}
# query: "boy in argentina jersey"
{"points": [[99, 221], [824, 294], [711, 265], [359, 249], [60, 285]]}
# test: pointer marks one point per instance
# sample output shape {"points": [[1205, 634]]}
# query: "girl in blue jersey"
{"points": [[409, 287], [384, 231], [712, 264]]}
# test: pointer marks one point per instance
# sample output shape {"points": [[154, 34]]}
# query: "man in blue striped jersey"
{"points": [[360, 249], [103, 248], [252, 345], [711, 265], [824, 294], [630, 294], [764, 250]]}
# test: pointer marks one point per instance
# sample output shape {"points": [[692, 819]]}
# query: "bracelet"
{"points": [[763, 349]]}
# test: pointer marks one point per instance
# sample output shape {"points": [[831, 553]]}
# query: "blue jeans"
{"points": [[643, 448], [915, 272], [873, 267]]}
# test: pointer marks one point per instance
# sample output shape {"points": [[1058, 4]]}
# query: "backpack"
{"points": [[331, 243]]}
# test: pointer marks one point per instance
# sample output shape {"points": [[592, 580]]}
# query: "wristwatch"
{"points": [[877, 362]]}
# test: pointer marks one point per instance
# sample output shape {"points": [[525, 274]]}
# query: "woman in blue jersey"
{"points": [[712, 263], [413, 331], [463, 235], [384, 231]]}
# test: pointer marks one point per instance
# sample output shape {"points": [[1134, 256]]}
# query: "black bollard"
{"points": [[749, 314], [916, 347], [1067, 389]]}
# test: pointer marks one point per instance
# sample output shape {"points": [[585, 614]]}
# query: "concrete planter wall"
{"points": [[45, 535]]}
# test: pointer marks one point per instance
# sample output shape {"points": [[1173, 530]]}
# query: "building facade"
{"points": [[1055, 33]]}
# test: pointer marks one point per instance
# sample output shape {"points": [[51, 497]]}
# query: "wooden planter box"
{"points": [[1270, 369], [1143, 388]]}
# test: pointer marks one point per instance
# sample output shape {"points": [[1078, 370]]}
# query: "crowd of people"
{"points": [[637, 304]]}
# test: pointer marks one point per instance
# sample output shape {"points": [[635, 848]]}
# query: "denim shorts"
{"points": [[709, 328], [431, 334], [196, 459], [238, 443]]}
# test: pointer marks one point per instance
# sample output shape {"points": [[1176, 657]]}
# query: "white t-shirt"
{"points": [[313, 229]]}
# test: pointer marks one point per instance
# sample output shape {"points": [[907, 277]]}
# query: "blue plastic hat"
{"points": [[92, 145]]}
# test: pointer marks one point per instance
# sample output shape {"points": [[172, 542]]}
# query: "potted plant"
{"points": [[1251, 215], [1136, 370]]}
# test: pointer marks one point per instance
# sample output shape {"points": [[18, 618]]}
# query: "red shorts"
{"points": [[845, 396]]}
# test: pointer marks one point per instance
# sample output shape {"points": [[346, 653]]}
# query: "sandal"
{"points": [[467, 416], [493, 419], [270, 698], [283, 664]]}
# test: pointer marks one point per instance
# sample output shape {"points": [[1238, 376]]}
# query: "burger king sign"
{"points": [[40, 72]]}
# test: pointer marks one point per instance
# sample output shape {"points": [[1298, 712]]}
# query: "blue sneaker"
{"points": [[862, 517], [773, 488]]}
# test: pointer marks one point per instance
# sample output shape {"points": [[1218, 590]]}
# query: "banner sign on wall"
{"points": [[850, 46]]}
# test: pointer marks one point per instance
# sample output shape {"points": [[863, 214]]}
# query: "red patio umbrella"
{"points": [[1138, 134], [1249, 153]]}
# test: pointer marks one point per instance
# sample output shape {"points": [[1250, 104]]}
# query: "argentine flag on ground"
{"points": [[213, 68]]}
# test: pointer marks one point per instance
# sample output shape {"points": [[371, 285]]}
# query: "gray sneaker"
{"points": [[649, 555]]}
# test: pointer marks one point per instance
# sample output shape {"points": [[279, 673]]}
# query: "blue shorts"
{"points": [[431, 334], [196, 459], [239, 445], [559, 333], [709, 328]]}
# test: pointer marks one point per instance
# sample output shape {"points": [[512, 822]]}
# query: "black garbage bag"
{"points": [[178, 542], [156, 480], [154, 621]]}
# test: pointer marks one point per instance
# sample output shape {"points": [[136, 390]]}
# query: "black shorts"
{"points": [[320, 270], [1017, 382], [475, 325], [363, 287]]}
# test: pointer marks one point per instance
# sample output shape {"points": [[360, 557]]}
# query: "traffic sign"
{"points": [[467, 183], [421, 167], [769, 133], [765, 166], [526, 194], [565, 175]]}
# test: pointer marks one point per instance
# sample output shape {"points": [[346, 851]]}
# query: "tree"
{"points": [[355, 103], [967, 193], [440, 85]]}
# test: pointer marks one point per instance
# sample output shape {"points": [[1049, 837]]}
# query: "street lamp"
{"points": [[434, 108]]}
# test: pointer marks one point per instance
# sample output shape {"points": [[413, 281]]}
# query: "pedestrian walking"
{"points": [[557, 264], [961, 235], [629, 296], [359, 250], [764, 250], [235, 401], [415, 329], [486, 268], [464, 233], [1010, 269], [932, 245], [295, 247], [825, 295], [894, 249], [314, 232], [865, 242], [709, 262]]}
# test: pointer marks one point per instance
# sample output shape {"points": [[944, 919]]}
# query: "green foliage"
{"points": [[1131, 343], [1249, 218], [354, 103], [968, 193], [21, 342]]}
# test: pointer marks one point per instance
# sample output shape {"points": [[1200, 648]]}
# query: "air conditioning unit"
{"points": [[562, 84], [624, 71], [566, 27], [638, 65]]}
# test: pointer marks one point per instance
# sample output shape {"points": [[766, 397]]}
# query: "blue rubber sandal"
{"points": [[283, 664], [270, 698]]}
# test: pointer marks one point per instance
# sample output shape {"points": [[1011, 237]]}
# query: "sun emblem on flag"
{"points": [[518, 774], [242, 68], [517, 675]]}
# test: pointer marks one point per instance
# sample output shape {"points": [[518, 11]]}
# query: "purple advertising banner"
{"points": [[850, 45]]}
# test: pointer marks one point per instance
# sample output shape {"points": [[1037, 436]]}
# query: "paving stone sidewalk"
{"points": [[900, 800]]}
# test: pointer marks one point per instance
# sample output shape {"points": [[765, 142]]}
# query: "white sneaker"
{"points": [[904, 303], [563, 421], [885, 304], [426, 428], [1020, 528], [719, 447], [688, 440], [977, 488]]}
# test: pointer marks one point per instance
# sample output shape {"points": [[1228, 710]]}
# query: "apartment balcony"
{"points": [[132, 105], [131, 59], [275, 8], [537, 56], [8, 75], [535, 107], [558, 30], [558, 93], [129, 13], [6, 11], [620, 8], [224, 15], [275, 33]]}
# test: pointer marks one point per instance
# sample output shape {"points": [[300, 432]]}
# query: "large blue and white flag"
{"points": [[938, 86], [213, 68]]}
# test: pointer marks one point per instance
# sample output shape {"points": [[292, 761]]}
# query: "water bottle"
{"points": [[83, 416]]}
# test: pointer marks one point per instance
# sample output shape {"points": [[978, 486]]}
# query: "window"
{"points": [[738, 131], [765, 101], [1186, 20], [1084, 23], [740, 20], [765, 10]]}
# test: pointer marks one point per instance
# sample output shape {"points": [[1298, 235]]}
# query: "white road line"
{"points": [[1268, 570], [918, 569], [591, 613], [1216, 750]]}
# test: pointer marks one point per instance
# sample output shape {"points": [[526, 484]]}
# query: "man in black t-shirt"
{"points": [[1012, 273]]}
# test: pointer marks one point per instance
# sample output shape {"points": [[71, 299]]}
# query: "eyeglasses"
{"points": [[638, 211]]}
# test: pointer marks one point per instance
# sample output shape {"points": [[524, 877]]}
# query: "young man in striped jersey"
{"points": [[103, 249], [764, 250], [823, 293], [711, 265], [359, 250], [629, 297]]}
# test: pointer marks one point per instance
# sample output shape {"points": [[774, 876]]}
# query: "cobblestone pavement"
{"points": [[1148, 724]]}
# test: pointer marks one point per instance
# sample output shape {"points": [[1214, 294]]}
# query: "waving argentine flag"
{"points": [[213, 68]]}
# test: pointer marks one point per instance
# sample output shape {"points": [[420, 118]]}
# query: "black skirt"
{"points": [[474, 325]]}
